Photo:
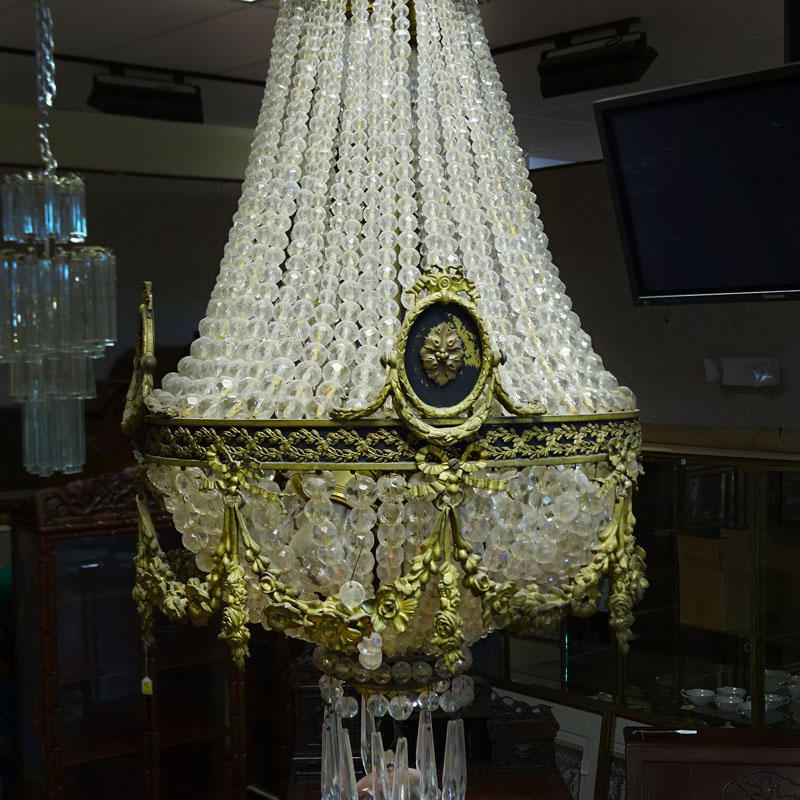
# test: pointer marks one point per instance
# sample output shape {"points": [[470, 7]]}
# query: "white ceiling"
{"points": [[695, 39]]}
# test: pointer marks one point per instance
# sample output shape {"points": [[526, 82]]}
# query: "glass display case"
{"points": [[89, 726], [721, 614]]}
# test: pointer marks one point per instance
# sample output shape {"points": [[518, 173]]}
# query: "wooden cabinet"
{"points": [[719, 764], [87, 730]]}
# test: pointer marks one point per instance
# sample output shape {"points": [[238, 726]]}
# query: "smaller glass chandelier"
{"points": [[57, 297]]}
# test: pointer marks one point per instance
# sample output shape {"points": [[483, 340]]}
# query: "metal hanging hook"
{"points": [[45, 83]]}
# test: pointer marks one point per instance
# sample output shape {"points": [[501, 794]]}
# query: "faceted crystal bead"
{"points": [[378, 705], [346, 707], [360, 490], [400, 707], [428, 700], [401, 672], [319, 485], [352, 594], [421, 672]]}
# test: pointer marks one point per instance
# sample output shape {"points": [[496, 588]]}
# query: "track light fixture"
{"points": [[576, 65]]}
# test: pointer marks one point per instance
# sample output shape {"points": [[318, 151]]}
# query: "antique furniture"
{"points": [[712, 765], [88, 724]]}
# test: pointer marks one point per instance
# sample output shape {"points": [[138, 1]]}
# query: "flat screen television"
{"points": [[706, 185]]}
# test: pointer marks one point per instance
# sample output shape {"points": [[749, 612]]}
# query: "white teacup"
{"points": [[732, 691], [727, 703], [746, 708], [773, 678], [698, 697], [773, 701]]}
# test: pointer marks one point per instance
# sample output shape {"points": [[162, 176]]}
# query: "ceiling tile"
{"points": [[226, 42]]}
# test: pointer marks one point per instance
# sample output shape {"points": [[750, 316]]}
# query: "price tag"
{"points": [[147, 685]]}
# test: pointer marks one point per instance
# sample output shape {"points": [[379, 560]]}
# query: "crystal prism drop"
{"points": [[426, 758], [400, 784], [454, 774], [461, 759], [329, 779], [367, 729], [347, 774], [380, 777]]}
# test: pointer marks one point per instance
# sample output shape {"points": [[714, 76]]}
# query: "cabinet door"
{"points": [[779, 551], [97, 672], [193, 713], [694, 626]]}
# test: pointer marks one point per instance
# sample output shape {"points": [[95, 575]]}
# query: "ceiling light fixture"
{"points": [[57, 296], [392, 436], [174, 100], [582, 66]]}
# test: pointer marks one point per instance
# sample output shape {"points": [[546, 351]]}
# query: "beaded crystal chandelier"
{"points": [[57, 297], [392, 436]]}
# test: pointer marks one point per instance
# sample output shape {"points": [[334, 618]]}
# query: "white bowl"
{"points": [[732, 691]]}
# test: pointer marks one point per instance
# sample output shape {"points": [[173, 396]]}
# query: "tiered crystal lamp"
{"points": [[57, 296], [392, 436]]}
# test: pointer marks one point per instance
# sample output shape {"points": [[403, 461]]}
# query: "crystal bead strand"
{"points": [[443, 244], [467, 165], [408, 256], [432, 169], [292, 394], [303, 274], [338, 307], [581, 384], [376, 169], [324, 130], [197, 376]]}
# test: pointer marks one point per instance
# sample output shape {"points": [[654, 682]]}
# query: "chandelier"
{"points": [[392, 436], [57, 296]]}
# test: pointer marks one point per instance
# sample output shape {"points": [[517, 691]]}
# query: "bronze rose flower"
{"points": [[391, 609], [446, 630], [279, 617]]}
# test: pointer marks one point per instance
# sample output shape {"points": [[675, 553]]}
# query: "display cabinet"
{"points": [[722, 534], [88, 726]]}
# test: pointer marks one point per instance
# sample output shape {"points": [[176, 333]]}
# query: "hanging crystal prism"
{"points": [[367, 729], [454, 773], [426, 757], [400, 781], [380, 775], [330, 772], [347, 775]]}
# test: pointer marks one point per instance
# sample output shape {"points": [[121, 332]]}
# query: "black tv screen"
{"points": [[706, 185]]}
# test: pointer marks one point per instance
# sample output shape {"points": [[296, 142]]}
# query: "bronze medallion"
{"points": [[442, 353]]}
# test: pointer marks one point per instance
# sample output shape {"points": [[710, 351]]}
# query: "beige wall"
{"points": [[657, 352], [112, 143]]}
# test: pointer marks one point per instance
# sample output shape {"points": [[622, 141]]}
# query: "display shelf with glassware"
{"points": [[717, 635], [721, 614]]}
